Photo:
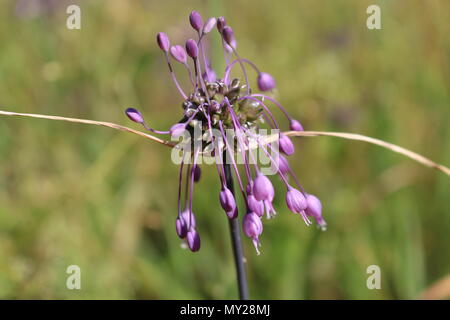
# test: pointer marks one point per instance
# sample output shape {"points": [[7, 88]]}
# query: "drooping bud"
{"points": [[193, 240], [227, 200], [253, 227], [294, 125], [286, 145], [265, 82], [163, 41], [283, 165], [184, 222], [221, 23], [228, 36], [177, 130], [296, 202], [197, 173], [178, 53], [314, 210], [192, 48], [134, 115], [196, 20], [263, 188], [209, 24], [255, 206], [180, 226]]}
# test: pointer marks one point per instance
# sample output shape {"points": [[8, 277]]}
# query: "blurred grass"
{"points": [[106, 201]]}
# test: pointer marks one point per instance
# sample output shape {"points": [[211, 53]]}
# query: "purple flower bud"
{"points": [[197, 173], [181, 228], [283, 165], [233, 213], [221, 23], [227, 200], [294, 125], [196, 20], [192, 48], [253, 228], [295, 200], [228, 36], [314, 210], [178, 54], [210, 23], [255, 205], [177, 130], [134, 115], [163, 41], [286, 145], [263, 188], [184, 222], [266, 82], [193, 240]]}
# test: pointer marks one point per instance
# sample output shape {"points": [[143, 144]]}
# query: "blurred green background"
{"points": [[106, 200]]}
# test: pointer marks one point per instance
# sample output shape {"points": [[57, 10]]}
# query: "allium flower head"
{"points": [[214, 104]]}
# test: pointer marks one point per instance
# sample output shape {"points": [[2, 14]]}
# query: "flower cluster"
{"points": [[223, 104]]}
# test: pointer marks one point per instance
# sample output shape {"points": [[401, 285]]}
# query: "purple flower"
{"points": [[184, 222], [193, 240], [209, 25], [283, 165], [314, 210], [253, 228], [263, 188], [192, 48], [296, 202], [286, 145], [163, 41], [227, 200], [134, 115], [255, 206], [196, 20], [177, 52], [295, 125], [228, 36], [214, 101], [266, 82]]}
